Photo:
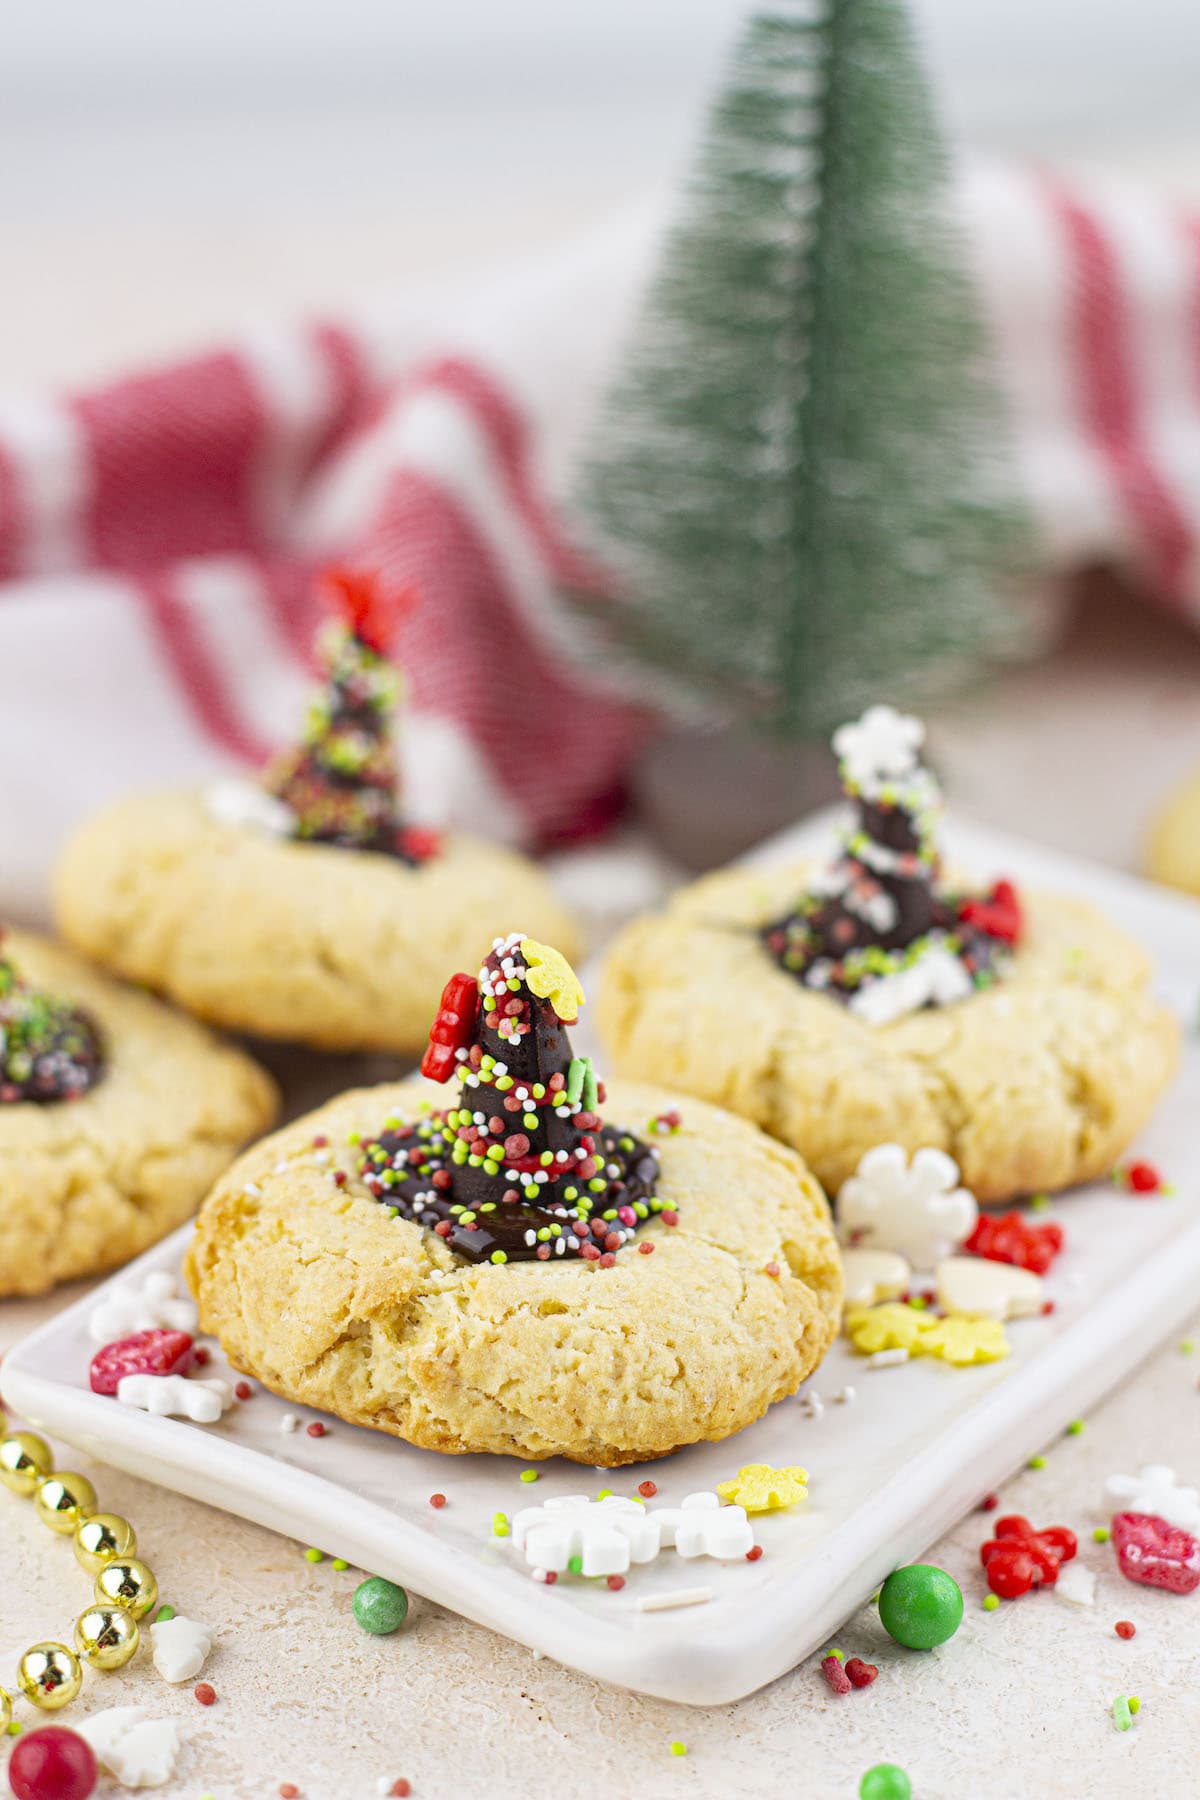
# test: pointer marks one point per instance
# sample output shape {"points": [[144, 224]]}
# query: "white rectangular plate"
{"points": [[891, 1471]]}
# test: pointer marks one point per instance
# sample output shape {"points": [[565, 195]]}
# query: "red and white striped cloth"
{"points": [[157, 537]]}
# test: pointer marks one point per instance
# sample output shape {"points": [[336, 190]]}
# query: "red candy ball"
{"points": [[52, 1763]]}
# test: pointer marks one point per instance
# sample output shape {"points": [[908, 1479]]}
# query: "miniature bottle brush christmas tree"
{"points": [[796, 483]]}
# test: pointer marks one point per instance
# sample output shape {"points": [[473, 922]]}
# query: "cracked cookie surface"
{"points": [[308, 943], [327, 1300], [1036, 1083], [86, 1184]]}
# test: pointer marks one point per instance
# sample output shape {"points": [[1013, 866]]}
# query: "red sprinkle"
{"points": [[1047, 1307], [288, 1790], [551, 1577], [753, 1554], [646, 1249], [669, 1218], [339, 1178], [437, 1500], [647, 1489], [200, 1356], [320, 1141], [861, 1673], [1143, 1178], [771, 1268], [401, 1788], [616, 1583], [316, 1429], [204, 1693], [989, 1503], [835, 1675], [243, 1390], [1124, 1628]]}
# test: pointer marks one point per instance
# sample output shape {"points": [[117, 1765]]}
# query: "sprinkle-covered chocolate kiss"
{"points": [[49, 1049], [878, 930], [342, 782], [524, 1168]]}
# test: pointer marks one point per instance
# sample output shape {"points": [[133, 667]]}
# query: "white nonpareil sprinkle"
{"points": [[886, 1359], [677, 1597], [289, 1422], [845, 1396]]}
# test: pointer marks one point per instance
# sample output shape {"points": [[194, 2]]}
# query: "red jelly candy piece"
{"points": [[835, 1675], [999, 914], [1010, 1238], [861, 1673], [453, 1027], [1018, 1557], [145, 1353], [419, 842], [1154, 1552]]}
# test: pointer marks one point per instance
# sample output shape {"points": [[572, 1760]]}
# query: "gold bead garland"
{"points": [[107, 1632]]}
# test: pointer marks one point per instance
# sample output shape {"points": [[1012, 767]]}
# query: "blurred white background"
{"points": [[168, 170]]}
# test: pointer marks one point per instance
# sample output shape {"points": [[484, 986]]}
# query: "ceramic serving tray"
{"points": [[890, 1470]]}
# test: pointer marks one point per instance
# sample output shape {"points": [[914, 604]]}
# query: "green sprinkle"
{"points": [[1187, 1347], [1122, 1718], [575, 1564], [164, 1613], [1101, 1534], [340, 1563], [500, 1524], [1075, 1427], [499, 1256], [528, 1475], [840, 1654], [990, 1602], [678, 1749], [314, 1556], [1135, 1705], [604, 1494], [13, 1728], [1037, 1462], [1040, 1203], [918, 1302]]}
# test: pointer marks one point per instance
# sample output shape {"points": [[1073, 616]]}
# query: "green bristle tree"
{"points": [[800, 482]]}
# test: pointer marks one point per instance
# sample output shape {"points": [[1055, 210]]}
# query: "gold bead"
{"points": [[5, 1708], [24, 1461], [128, 1583], [106, 1636], [63, 1500], [102, 1538], [50, 1676]]}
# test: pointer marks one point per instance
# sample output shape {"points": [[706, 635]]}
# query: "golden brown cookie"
{"points": [[86, 1184], [309, 943], [1173, 852], [317, 1292], [1035, 1083]]}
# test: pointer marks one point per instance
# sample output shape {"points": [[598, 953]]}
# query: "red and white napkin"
{"points": [[157, 537]]}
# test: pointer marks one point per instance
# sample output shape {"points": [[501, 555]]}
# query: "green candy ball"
{"points": [[921, 1606], [885, 1782], [380, 1606]]}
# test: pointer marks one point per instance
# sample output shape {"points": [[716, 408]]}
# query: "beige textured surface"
{"points": [[1015, 1707], [1034, 1084], [89, 1183], [1173, 850], [301, 942], [317, 1292]]}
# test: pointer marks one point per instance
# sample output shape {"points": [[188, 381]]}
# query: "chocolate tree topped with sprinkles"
{"points": [[524, 1168], [49, 1049], [342, 781], [879, 930]]}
